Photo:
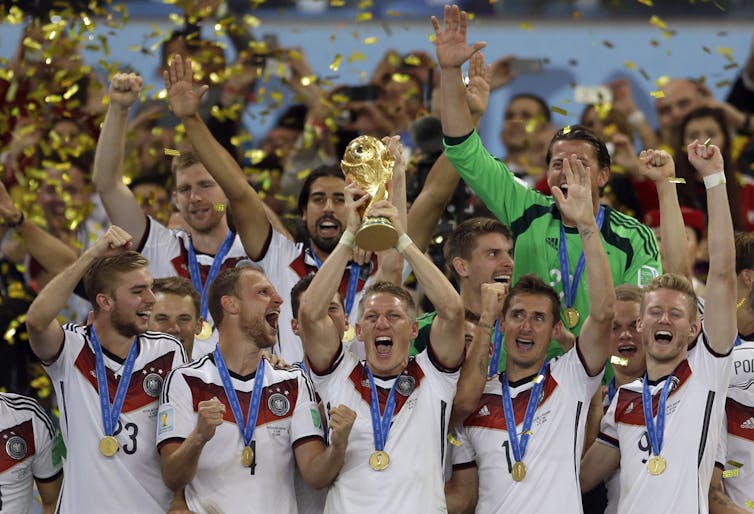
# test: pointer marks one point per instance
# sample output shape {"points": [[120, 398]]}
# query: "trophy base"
{"points": [[376, 234]]}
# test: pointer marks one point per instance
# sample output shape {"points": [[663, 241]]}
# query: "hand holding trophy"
{"points": [[368, 163]]}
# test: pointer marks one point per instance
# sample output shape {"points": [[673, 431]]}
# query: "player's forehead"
{"points": [[383, 301], [564, 148], [173, 303]]}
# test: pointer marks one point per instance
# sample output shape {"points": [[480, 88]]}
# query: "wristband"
{"points": [[403, 242], [14, 224], [636, 118], [714, 180], [347, 239]]}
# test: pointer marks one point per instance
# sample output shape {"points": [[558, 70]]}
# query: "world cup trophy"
{"points": [[368, 163]]}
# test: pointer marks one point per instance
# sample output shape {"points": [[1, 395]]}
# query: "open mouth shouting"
{"points": [[144, 315], [524, 344], [383, 345], [328, 227], [627, 350], [503, 278], [272, 318], [663, 337]]}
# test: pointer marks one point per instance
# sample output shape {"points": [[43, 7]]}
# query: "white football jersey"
{"points": [[167, 252], [553, 453], [30, 449], [416, 442], [288, 416], [285, 263], [129, 481], [739, 410], [694, 413]]}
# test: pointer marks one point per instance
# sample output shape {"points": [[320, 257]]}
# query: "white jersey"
{"points": [[285, 263], [739, 410], [553, 453], [694, 413], [288, 416], [168, 253], [416, 442], [130, 481], [30, 450]]}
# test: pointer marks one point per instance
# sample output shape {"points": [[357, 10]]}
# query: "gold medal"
{"points": [[519, 471], [656, 465], [571, 317], [108, 446], [206, 332], [349, 334], [247, 457], [379, 460]]}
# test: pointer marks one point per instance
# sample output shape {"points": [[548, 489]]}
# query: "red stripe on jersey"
{"points": [[11, 451], [489, 413], [302, 269], [740, 419], [285, 390], [180, 264], [136, 396], [360, 382], [630, 409]]}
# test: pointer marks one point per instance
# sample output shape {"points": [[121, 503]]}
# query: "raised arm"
{"points": [[45, 333], [578, 206], [477, 363], [248, 209], [120, 203], [452, 51], [52, 253], [446, 335], [442, 180], [319, 334], [720, 293]]}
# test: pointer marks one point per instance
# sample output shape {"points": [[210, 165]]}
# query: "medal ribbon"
{"points": [[380, 423], [611, 390], [497, 344], [655, 431], [518, 447], [196, 277], [247, 430], [570, 288], [110, 414], [353, 281]]}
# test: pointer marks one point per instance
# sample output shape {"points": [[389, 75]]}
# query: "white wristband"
{"points": [[403, 242], [714, 180], [347, 239], [635, 118]]}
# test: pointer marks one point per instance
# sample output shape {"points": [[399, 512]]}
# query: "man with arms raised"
{"points": [[547, 242], [198, 254], [231, 427], [397, 449], [111, 446], [545, 401], [664, 429]]}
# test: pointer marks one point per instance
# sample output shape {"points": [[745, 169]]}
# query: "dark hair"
{"points": [[462, 241], [581, 133], [694, 196], [543, 107], [178, 286], [325, 170], [533, 285], [101, 277], [399, 292], [225, 284], [744, 251], [297, 290]]}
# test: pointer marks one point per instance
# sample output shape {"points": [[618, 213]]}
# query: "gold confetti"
{"points": [[71, 91], [526, 26], [749, 504], [567, 129], [630, 65], [337, 3], [722, 83], [356, 57], [725, 51], [370, 40], [618, 361], [172, 152], [560, 111], [657, 22], [219, 207], [335, 64], [363, 16], [707, 142], [452, 440], [735, 464], [658, 94], [663, 81], [730, 473], [677, 180], [650, 3], [730, 66]]}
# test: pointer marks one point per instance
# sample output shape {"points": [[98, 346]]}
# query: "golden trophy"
{"points": [[368, 163]]}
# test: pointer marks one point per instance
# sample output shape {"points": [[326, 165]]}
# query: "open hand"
{"points": [[450, 42], [179, 82]]}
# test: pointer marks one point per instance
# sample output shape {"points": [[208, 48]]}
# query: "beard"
{"points": [[124, 327], [326, 244], [257, 331]]}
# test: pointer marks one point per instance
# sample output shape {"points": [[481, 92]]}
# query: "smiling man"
{"points": [[176, 312], [547, 242], [111, 448], [397, 449], [664, 429]]}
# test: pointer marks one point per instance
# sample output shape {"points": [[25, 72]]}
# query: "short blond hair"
{"points": [[674, 282]]}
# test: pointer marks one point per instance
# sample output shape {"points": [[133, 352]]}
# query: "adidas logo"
{"points": [[484, 411], [749, 423], [552, 241]]}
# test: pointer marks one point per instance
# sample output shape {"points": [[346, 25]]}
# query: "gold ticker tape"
{"points": [[618, 361]]}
